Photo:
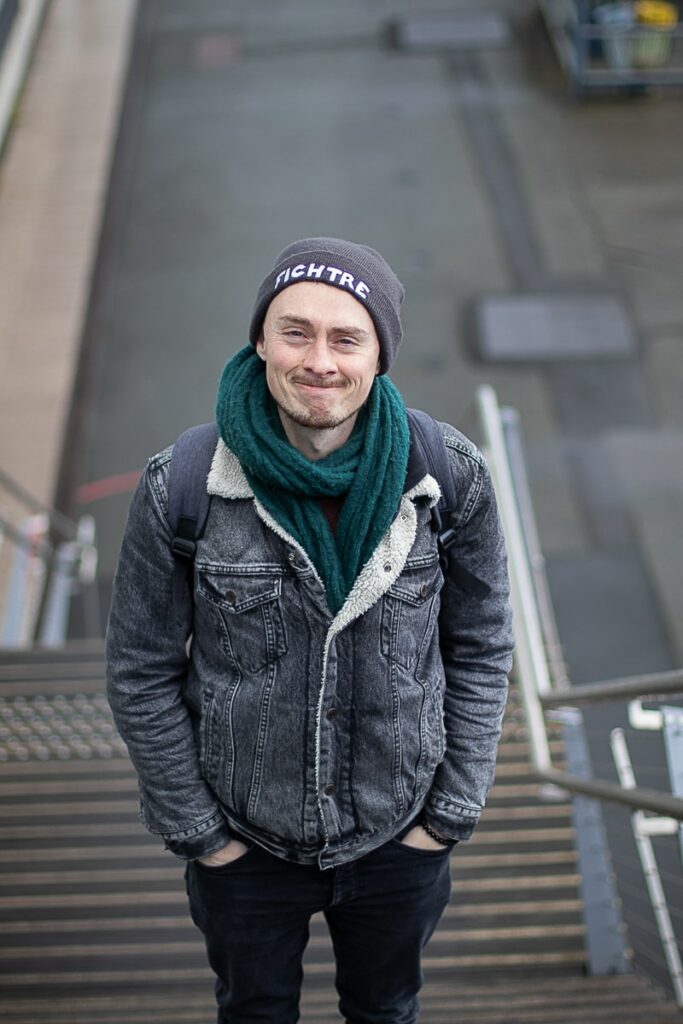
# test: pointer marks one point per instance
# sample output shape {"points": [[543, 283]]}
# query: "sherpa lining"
{"points": [[227, 480]]}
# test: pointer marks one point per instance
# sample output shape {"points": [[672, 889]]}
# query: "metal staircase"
{"points": [[93, 918]]}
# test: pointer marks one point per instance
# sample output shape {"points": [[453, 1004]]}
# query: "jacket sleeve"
{"points": [[476, 649], [146, 653]]}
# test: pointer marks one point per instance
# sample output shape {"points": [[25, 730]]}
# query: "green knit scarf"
{"points": [[370, 469]]}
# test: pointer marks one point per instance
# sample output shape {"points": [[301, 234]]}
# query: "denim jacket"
{"points": [[252, 710]]}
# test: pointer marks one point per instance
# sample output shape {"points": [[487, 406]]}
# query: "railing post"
{"points": [[673, 744], [643, 828], [26, 583], [605, 945]]}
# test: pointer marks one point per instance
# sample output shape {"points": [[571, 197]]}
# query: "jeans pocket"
{"points": [[225, 869], [443, 851]]}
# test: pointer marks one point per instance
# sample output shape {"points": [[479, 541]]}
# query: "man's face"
{"points": [[321, 353]]}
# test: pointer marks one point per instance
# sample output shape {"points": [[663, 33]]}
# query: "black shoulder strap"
{"points": [[188, 499], [428, 438], [430, 443]]}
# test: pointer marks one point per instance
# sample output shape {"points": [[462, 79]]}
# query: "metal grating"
{"points": [[57, 727]]}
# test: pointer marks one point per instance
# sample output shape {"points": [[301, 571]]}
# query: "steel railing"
{"points": [[534, 677], [51, 557], [537, 646]]}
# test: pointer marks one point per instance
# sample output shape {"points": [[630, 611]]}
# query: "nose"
{"points": [[319, 359]]}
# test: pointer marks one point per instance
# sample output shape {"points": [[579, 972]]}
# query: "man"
{"points": [[318, 727]]}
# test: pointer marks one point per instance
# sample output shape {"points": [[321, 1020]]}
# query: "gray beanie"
{"points": [[357, 269]]}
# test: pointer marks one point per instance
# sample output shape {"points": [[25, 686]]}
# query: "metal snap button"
{"points": [[387, 567], [330, 789], [292, 556], [231, 597], [424, 590], [332, 714]]}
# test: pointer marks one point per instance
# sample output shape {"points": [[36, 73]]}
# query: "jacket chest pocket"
{"points": [[409, 613], [249, 611]]}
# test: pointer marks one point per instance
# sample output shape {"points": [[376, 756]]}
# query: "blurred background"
{"points": [[519, 165]]}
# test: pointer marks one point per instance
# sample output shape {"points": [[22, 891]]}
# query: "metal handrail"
{"points": [[41, 548], [530, 655], [52, 553], [647, 687], [534, 683], [638, 798], [66, 528], [515, 453]]}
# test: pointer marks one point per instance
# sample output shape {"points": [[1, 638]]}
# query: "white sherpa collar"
{"points": [[389, 558], [226, 478]]}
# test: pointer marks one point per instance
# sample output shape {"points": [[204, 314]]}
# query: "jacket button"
{"points": [[231, 597], [424, 590], [292, 556], [387, 567], [332, 714], [330, 789]]}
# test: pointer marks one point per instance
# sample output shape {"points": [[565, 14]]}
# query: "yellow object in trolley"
{"points": [[652, 50], [656, 12]]}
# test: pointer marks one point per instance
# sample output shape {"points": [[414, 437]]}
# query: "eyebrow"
{"points": [[302, 321]]}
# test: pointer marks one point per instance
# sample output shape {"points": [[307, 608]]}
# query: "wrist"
{"points": [[433, 834]]}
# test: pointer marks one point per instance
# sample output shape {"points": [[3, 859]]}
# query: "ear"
{"points": [[261, 346]]}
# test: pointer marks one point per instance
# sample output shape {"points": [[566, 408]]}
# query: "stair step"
{"points": [[519, 751], [163, 911], [51, 855], [96, 913]]}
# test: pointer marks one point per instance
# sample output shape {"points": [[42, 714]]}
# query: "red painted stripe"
{"points": [[109, 486]]}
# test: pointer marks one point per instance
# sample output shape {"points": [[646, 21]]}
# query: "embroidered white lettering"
{"points": [[336, 276]]}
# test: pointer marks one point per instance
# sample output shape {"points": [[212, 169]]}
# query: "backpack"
{"points": [[189, 501]]}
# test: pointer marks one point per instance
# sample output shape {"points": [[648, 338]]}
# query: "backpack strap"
{"points": [[189, 501], [429, 442], [431, 446]]}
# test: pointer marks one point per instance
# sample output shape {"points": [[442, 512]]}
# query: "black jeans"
{"points": [[381, 909]]}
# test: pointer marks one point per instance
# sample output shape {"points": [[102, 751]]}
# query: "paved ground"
{"points": [[245, 129], [247, 126]]}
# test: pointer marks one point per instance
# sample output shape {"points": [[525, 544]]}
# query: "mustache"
{"points": [[316, 382]]}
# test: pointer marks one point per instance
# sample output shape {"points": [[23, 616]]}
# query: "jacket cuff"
{"points": [[451, 820], [199, 841]]}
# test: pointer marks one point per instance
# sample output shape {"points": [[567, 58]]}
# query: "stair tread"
{"points": [[97, 922]]}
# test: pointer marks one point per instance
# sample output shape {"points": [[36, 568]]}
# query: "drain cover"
{"points": [[554, 326], [464, 31]]}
